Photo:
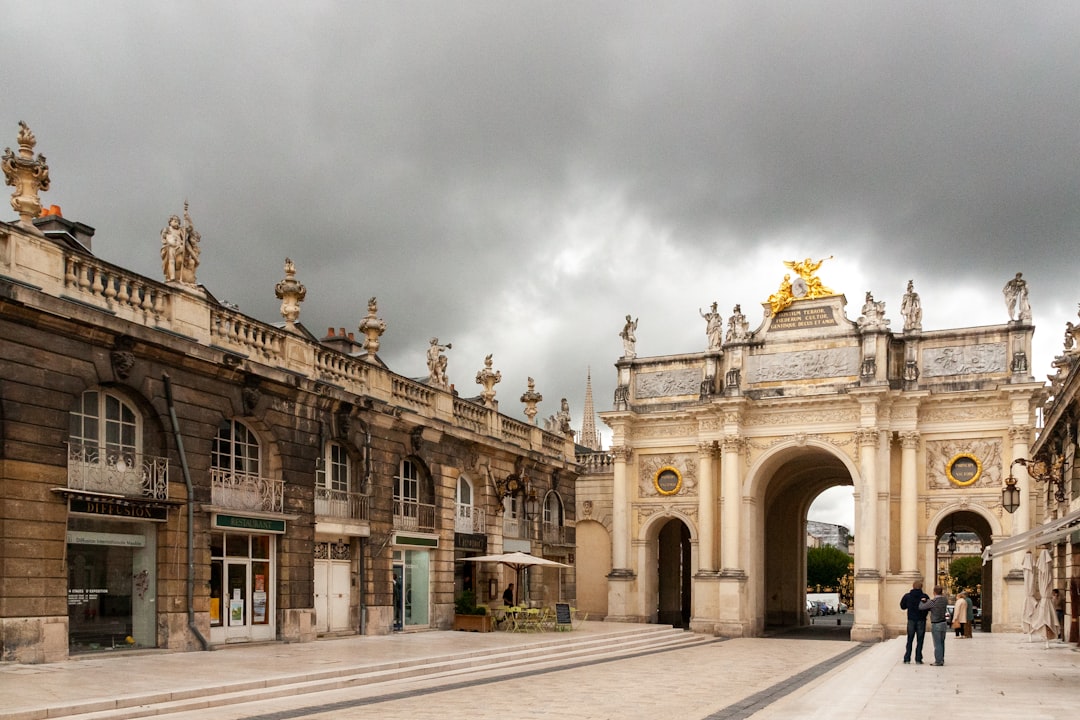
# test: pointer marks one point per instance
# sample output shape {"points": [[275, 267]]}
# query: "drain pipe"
{"points": [[361, 561], [190, 515]]}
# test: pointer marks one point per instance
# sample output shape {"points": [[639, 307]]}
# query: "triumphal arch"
{"points": [[700, 505]]}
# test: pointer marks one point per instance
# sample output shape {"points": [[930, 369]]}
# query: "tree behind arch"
{"points": [[825, 566]]}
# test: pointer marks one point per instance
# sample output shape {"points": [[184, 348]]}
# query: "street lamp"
{"points": [[1041, 471]]}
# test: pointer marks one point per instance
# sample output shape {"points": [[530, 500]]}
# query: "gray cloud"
{"points": [[514, 177]]}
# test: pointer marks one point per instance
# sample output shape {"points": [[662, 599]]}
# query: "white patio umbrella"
{"points": [[1045, 623], [1028, 616], [517, 561]]}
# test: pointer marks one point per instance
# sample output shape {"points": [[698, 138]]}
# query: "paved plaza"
{"points": [[990, 676]]}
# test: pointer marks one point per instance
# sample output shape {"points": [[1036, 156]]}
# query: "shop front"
{"points": [[243, 578], [112, 573], [412, 581]]}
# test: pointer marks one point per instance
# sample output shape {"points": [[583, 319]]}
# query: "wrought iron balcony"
{"points": [[241, 491], [117, 472], [341, 504], [558, 534], [412, 515], [516, 528], [470, 519]]}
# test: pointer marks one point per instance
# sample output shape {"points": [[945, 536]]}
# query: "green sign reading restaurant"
{"points": [[249, 523]]}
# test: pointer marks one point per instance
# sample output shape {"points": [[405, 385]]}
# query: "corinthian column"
{"points": [[706, 508], [620, 514], [732, 495], [1021, 436], [909, 496], [866, 535]]}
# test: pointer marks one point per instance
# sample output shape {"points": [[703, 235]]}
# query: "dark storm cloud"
{"points": [[514, 177]]}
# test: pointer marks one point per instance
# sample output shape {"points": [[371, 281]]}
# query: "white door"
{"points": [[338, 601], [322, 587], [331, 595]]}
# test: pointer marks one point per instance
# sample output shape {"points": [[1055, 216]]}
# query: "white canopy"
{"points": [[1045, 533]]}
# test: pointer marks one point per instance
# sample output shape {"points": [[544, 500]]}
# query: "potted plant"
{"points": [[469, 617]]}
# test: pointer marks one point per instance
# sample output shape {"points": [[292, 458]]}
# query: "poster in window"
{"points": [[236, 612], [258, 607]]}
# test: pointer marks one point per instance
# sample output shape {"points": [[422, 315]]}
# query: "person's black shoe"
{"points": [[938, 664], [906, 662], [918, 662]]}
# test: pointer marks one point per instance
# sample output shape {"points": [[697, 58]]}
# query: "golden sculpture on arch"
{"points": [[806, 286]]}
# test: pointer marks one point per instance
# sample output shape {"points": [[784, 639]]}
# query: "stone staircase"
{"points": [[546, 651]]}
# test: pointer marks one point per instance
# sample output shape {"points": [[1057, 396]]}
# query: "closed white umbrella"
{"points": [[1028, 616], [1044, 624]]}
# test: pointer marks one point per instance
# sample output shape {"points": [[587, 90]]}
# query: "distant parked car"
{"points": [[842, 608]]}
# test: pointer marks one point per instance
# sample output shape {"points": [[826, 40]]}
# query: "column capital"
{"points": [[706, 450], [1020, 433], [622, 453], [732, 443], [909, 440], [867, 436]]}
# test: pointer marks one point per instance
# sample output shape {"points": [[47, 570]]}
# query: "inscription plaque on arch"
{"points": [[668, 480], [803, 318], [964, 469]]}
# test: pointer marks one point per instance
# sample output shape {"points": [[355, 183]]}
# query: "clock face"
{"points": [[799, 288]]}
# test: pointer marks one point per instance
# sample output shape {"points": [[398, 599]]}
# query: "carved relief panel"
{"points": [[952, 464], [667, 475]]}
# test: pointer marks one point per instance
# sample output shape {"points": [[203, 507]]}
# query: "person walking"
{"points": [[916, 621], [970, 616], [960, 613], [1059, 609], [938, 607]]}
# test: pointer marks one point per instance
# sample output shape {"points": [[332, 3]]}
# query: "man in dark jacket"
{"points": [[938, 607], [916, 620]]}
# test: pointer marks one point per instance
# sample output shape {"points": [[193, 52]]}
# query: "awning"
{"points": [[1046, 533]]}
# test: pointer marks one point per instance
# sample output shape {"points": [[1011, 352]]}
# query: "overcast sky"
{"points": [[515, 177]]}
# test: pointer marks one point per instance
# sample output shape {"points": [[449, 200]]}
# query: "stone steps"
{"points": [[549, 650]]}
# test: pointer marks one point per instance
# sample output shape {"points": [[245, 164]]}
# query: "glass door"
{"points": [[237, 611]]}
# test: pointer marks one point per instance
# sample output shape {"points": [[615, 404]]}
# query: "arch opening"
{"points": [[673, 574], [796, 482], [964, 534]]}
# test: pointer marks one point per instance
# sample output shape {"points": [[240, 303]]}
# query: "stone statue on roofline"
{"points": [[713, 327], [180, 250], [488, 378], [738, 326], [911, 308], [629, 339], [437, 362], [1016, 299]]}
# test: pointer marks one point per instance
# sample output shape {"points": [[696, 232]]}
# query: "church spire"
{"points": [[589, 437]]}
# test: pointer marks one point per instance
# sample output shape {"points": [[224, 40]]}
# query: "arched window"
{"points": [[105, 449], [103, 422], [553, 509], [414, 508], [407, 483], [235, 472], [336, 468], [467, 518], [236, 449]]}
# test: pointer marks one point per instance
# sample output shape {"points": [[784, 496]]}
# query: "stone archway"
{"points": [[673, 574], [959, 519], [787, 485]]}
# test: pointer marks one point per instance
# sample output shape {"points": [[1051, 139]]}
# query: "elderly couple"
{"points": [[918, 604]]}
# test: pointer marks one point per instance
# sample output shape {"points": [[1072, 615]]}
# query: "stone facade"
{"points": [[716, 457], [141, 418]]}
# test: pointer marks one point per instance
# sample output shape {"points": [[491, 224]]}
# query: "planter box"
{"points": [[473, 623]]}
